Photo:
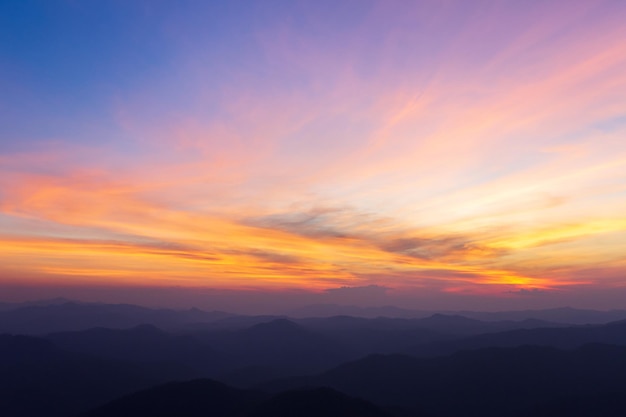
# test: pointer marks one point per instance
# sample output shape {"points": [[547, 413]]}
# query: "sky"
{"points": [[426, 154]]}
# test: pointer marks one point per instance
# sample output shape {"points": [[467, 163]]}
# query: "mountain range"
{"points": [[105, 360]]}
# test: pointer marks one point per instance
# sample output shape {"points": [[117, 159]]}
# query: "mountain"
{"points": [[503, 374], [365, 336], [145, 343], [605, 404], [394, 335], [8, 306], [72, 316], [455, 324], [241, 357], [329, 310], [60, 314], [202, 398], [317, 402], [269, 350], [196, 398], [562, 315], [281, 345], [46, 302], [565, 315], [232, 323], [39, 379], [563, 337], [491, 382]]}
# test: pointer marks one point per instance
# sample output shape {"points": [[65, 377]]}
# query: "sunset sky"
{"points": [[440, 153]]}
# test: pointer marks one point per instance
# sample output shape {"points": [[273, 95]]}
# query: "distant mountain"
{"points": [[46, 302], [145, 343], [72, 316], [39, 379], [557, 315], [365, 336], [234, 323], [8, 306], [461, 325], [241, 357], [329, 310], [563, 315], [394, 335], [435, 325], [281, 345], [203, 398], [563, 337], [491, 382], [268, 350]]}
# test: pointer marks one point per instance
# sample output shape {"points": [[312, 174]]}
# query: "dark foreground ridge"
{"points": [[40, 380], [201, 398], [491, 382]]}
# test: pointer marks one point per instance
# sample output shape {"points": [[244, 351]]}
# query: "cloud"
{"points": [[530, 291], [316, 222], [367, 290], [368, 229], [364, 295], [273, 257], [429, 248]]}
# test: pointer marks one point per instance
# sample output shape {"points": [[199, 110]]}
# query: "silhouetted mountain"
{"points": [[281, 345], [461, 325], [565, 315], [41, 303], [440, 324], [70, 371], [39, 379], [252, 355], [392, 335], [197, 398], [7, 306], [319, 402], [606, 404], [365, 336], [73, 316], [57, 315], [145, 343], [201, 398], [235, 322], [267, 350], [564, 338], [278, 327], [329, 310], [486, 382]]}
